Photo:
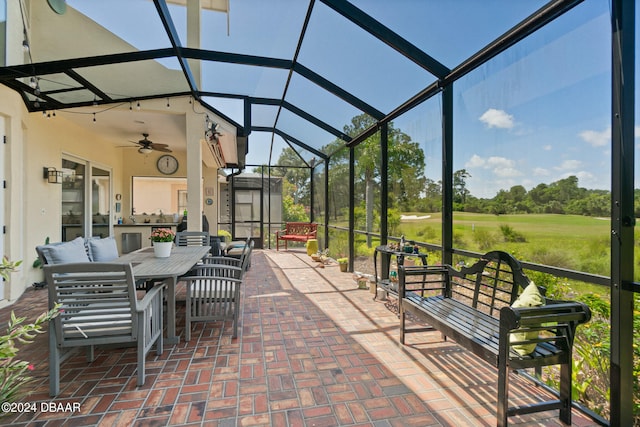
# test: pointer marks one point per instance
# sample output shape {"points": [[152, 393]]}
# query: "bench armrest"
{"points": [[554, 312]]}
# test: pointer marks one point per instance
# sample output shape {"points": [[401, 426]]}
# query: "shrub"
{"points": [[558, 257], [510, 235], [14, 372], [556, 289], [484, 239], [427, 233]]}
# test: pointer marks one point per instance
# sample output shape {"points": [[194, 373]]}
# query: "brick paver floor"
{"points": [[312, 350]]}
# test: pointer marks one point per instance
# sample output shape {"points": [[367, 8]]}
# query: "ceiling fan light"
{"points": [[144, 150]]}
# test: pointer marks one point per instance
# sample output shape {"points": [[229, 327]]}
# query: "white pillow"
{"points": [[530, 297], [66, 252], [102, 250]]}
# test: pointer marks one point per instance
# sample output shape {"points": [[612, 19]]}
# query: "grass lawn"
{"points": [[568, 241]]}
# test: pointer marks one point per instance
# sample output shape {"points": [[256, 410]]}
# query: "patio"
{"points": [[312, 351]]}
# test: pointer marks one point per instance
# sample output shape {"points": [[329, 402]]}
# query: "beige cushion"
{"points": [[530, 297]]}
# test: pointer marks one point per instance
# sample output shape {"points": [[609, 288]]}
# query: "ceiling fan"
{"points": [[147, 146]]}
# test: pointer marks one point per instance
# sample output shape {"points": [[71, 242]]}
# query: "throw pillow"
{"points": [[102, 250], [530, 297], [66, 252]]}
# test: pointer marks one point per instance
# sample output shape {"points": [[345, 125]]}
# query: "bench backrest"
{"points": [[301, 228], [495, 281]]}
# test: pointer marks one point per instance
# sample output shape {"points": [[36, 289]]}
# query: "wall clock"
{"points": [[58, 6], [167, 164]]}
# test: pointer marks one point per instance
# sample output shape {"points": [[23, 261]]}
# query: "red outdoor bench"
{"points": [[296, 232]]}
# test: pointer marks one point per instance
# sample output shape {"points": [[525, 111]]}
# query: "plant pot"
{"points": [[343, 267], [162, 249]]}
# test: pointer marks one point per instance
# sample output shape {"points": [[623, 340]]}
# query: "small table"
{"points": [[147, 266], [385, 254]]}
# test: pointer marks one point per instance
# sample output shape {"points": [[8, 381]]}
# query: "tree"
{"points": [[460, 191], [405, 167], [296, 173]]}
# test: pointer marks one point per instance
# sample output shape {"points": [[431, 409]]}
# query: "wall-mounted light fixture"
{"points": [[52, 175]]}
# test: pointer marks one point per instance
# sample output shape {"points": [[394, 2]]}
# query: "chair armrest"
{"points": [[149, 297]]}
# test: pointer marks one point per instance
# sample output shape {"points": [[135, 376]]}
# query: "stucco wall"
{"points": [[34, 206]]}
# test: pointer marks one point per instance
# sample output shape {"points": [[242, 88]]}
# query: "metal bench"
{"points": [[473, 306]]}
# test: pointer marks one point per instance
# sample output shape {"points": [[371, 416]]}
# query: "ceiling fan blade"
{"points": [[163, 149]]}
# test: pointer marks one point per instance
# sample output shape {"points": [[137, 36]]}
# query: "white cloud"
{"points": [[569, 165], [497, 119], [475, 162], [499, 162], [506, 172], [540, 172], [499, 166], [595, 138], [546, 147]]}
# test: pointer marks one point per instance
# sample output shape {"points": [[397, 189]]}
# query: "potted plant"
{"points": [[162, 239], [343, 263]]}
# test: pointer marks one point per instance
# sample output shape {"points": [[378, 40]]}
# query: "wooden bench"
{"points": [[296, 232], [473, 307]]}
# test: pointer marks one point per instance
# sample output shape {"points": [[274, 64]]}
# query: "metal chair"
{"points": [[192, 238], [98, 306]]}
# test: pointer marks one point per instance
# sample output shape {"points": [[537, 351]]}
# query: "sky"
{"points": [[537, 113]]}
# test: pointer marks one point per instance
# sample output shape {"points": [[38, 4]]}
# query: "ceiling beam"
{"points": [[167, 22], [338, 91], [61, 66], [288, 137], [284, 64], [526, 27], [303, 114], [235, 58], [387, 36], [88, 85]]}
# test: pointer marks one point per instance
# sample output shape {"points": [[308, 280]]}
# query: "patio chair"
{"points": [[192, 238], [213, 293], [98, 306], [243, 261]]}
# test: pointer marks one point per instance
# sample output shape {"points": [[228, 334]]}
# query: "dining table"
{"points": [[147, 266]]}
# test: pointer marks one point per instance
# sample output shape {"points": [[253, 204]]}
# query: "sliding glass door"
{"points": [[86, 209], [100, 197]]}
